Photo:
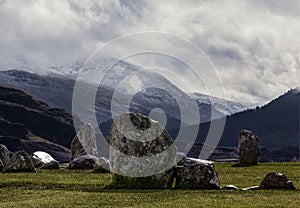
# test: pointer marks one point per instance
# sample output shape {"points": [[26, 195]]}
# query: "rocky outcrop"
{"points": [[31, 125], [4, 155], [84, 143], [196, 174], [140, 152], [85, 162], [20, 162], [248, 148], [275, 180]]}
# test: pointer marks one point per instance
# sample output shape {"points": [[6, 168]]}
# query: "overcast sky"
{"points": [[254, 44]]}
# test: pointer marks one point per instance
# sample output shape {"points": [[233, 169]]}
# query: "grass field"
{"points": [[64, 188]]}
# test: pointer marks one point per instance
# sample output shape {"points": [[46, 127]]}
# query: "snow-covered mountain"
{"points": [[55, 87], [224, 106]]}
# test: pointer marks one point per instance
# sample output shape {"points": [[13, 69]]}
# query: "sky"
{"points": [[253, 44]]}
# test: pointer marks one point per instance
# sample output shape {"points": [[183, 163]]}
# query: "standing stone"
{"points": [[248, 148], [84, 143], [196, 174], [20, 162], [140, 152], [4, 155], [275, 180]]}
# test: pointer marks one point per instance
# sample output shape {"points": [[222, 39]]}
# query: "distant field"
{"points": [[64, 188]]}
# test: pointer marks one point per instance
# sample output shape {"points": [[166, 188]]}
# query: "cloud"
{"points": [[254, 44]]}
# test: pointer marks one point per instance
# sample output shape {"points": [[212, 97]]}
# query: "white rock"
{"points": [[44, 157]]}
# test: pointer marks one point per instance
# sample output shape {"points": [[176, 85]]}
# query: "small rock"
{"points": [[197, 174], [85, 162], [20, 162], [275, 180], [250, 188], [51, 165], [40, 158], [230, 187], [248, 148], [4, 155]]}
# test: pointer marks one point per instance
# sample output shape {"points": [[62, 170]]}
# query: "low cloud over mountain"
{"points": [[253, 44]]}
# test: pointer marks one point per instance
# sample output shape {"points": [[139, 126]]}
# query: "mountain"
{"points": [[276, 124], [31, 125], [59, 82], [226, 107], [57, 92]]}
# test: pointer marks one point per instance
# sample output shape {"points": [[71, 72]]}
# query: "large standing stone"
{"points": [[248, 148], [84, 143], [4, 155], [275, 180], [20, 162], [196, 174], [142, 154]]}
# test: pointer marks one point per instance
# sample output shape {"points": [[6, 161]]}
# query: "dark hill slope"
{"points": [[276, 123], [32, 125]]}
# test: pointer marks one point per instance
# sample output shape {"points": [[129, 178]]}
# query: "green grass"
{"points": [[64, 188]]}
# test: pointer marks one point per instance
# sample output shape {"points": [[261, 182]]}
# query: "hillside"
{"points": [[276, 124], [60, 91], [29, 124]]}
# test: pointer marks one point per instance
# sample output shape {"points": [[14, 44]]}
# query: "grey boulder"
{"points": [[275, 180], [196, 174], [20, 162]]}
